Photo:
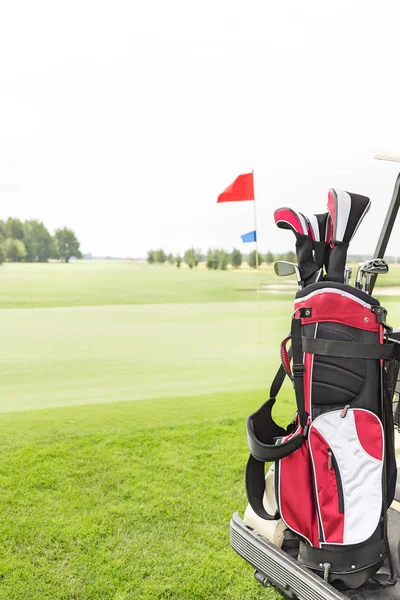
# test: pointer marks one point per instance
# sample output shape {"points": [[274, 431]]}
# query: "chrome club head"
{"points": [[284, 268], [359, 275], [376, 266], [347, 274]]}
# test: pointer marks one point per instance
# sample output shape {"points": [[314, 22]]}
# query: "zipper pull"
{"points": [[344, 411], [330, 461]]}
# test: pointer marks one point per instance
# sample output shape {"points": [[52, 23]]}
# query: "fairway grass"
{"points": [[132, 500], [122, 485], [97, 283], [89, 355]]}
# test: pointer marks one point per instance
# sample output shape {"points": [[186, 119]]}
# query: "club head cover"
{"points": [[346, 210], [287, 218], [319, 231]]}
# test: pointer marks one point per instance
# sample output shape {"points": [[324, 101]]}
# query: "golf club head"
{"points": [[360, 272], [283, 268], [347, 274], [377, 266]]}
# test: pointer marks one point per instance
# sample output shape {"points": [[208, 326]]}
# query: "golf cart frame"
{"points": [[279, 568]]}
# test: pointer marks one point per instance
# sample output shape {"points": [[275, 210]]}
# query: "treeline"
{"points": [[30, 241], [217, 258]]}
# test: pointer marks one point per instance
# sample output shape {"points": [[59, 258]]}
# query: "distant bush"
{"points": [[38, 242], [252, 261], [236, 258], [160, 256], [66, 245], [178, 261], [150, 257], [269, 258], [191, 258], [223, 260], [212, 259], [217, 259], [15, 250]]}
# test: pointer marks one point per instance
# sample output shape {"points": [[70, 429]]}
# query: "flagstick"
{"points": [[258, 276]]}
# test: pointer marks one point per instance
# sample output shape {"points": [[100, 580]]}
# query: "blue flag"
{"points": [[249, 237]]}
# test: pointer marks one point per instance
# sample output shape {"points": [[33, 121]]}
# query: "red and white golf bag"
{"points": [[335, 470]]}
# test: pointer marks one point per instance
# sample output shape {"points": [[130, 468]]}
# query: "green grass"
{"points": [[123, 484], [123, 282], [129, 501], [88, 355]]}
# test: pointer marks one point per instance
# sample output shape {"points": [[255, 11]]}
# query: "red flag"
{"points": [[240, 190]]}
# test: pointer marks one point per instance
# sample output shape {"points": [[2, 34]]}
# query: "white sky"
{"points": [[125, 120]]}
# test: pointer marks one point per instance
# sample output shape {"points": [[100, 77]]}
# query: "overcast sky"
{"points": [[125, 120]]}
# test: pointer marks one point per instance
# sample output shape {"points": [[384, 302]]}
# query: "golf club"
{"points": [[377, 266], [283, 268], [347, 274], [359, 275]]}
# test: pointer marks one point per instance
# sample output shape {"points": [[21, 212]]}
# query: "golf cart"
{"points": [[272, 548]]}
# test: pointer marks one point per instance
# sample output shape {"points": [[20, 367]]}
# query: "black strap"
{"points": [[277, 382], [255, 487], [298, 370], [263, 434], [348, 349]]}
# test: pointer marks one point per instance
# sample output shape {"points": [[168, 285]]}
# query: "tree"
{"points": [[2, 254], [14, 229], [269, 258], [290, 256], [197, 257], [66, 244], [223, 259], [2, 231], [150, 257], [160, 256], [38, 242], [212, 259], [236, 258], [15, 250], [251, 260], [178, 261], [170, 258], [191, 258]]}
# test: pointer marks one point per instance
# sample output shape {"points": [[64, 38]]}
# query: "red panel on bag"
{"points": [[369, 432], [332, 307], [296, 498], [327, 490]]}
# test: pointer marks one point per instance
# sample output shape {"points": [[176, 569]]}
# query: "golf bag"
{"points": [[335, 469]]}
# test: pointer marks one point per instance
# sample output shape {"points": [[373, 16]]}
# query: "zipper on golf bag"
{"points": [[332, 464]]}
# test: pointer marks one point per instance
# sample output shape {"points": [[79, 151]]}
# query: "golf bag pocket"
{"points": [[294, 494], [346, 449]]}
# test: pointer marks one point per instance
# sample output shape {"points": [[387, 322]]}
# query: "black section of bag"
{"points": [[353, 564], [390, 371], [338, 381]]}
